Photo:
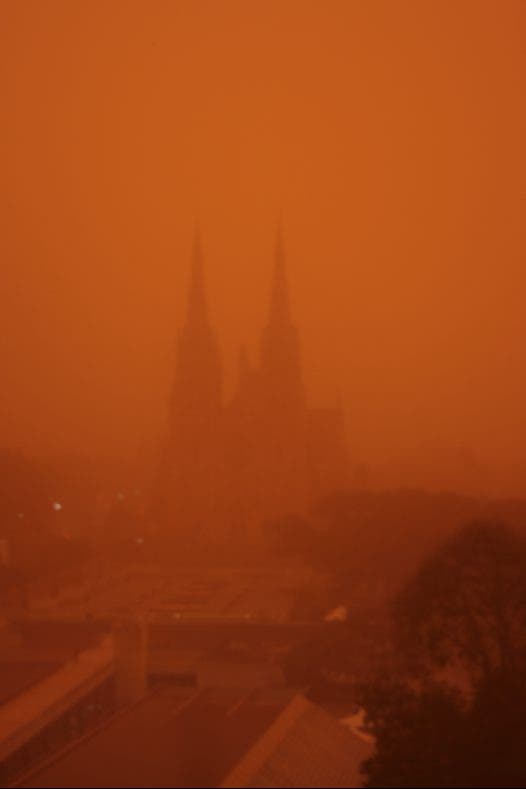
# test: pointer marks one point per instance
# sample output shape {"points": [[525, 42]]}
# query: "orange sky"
{"points": [[391, 137]]}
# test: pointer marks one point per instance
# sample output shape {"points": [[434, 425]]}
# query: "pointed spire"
{"points": [[279, 298], [197, 311]]}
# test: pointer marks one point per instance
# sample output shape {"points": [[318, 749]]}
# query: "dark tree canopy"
{"points": [[465, 608], [371, 543], [467, 604], [432, 737], [418, 735]]}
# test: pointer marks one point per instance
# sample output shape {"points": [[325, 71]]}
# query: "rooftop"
{"points": [[229, 593], [16, 676], [22, 716], [304, 747], [169, 739], [215, 737]]}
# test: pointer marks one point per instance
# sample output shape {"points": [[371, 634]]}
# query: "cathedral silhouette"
{"points": [[230, 467]]}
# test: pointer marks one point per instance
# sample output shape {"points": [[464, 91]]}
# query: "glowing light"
{"points": [[57, 506], [338, 614]]}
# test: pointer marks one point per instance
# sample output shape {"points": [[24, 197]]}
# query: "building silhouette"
{"points": [[229, 467]]}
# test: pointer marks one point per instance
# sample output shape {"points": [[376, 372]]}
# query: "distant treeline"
{"points": [[370, 543], [42, 507]]}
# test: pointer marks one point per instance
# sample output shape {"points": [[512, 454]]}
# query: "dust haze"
{"points": [[262, 405]]}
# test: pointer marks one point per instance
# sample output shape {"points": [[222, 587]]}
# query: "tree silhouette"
{"points": [[466, 606], [419, 735], [432, 736]]}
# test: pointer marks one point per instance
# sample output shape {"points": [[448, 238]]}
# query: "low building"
{"points": [[216, 737]]}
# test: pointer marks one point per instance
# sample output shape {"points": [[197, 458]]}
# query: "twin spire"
{"points": [[197, 309], [279, 295]]}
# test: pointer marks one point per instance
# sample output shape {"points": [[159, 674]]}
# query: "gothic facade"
{"points": [[229, 467]]}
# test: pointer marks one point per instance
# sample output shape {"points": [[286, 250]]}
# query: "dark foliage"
{"points": [[463, 618], [466, 606], [431, 736]]}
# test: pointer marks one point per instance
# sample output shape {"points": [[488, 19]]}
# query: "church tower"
{"points": [[284, 410], [196, 396], [280, 347], [228, 469], [191, 457]]}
